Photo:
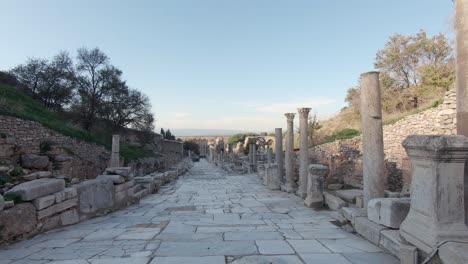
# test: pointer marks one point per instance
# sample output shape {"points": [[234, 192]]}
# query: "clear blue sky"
{"points": [[234, 64]]}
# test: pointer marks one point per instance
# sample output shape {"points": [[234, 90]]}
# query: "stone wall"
{"points": [[76, 158], [171, 146], [344, 157]]}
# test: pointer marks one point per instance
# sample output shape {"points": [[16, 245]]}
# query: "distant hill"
{"points": [[204, 132]]}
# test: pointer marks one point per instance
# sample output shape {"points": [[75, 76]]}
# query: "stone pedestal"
{"points": [[437, 191], [270, 156], [372, 137], [290, 186], [303, 151], [314, 198], [279, 152], [271, 177], [254, 156], [115, 156]]}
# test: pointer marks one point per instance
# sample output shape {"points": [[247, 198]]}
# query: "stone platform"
{"points": [[205, 217]]}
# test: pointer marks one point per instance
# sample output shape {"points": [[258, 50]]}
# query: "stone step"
{"points": [[390, 241], [349, 195], [334, 202], [368, 229], [141, 194]]}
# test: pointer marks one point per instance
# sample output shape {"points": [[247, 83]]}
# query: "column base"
{"points": [[289, 187], [313, 201], [301, 194], [425, 235]]}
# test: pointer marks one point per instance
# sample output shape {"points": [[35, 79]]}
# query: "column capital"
{"points": [[303, 112], [290, 116]]}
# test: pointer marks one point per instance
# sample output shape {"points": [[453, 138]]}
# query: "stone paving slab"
{"points": [[204, 217]]}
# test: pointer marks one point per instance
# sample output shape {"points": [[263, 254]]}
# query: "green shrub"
{"points": [[346, 133]]}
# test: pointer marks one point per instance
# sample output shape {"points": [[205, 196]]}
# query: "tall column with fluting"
{"points": [[290, 186], [279, 152], [303, 151], [372, 137]]}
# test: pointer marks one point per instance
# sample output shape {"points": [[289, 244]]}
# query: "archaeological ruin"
{"points": [[395, 193]]}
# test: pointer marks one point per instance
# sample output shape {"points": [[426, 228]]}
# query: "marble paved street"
{"points": [[206, 217]]}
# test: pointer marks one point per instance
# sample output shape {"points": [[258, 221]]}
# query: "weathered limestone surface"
{"points": [[205, 217], [290, 186], [115, 157], [461, 26], [372, 135], [333, 202], [303, 151], [31, 190], [368, 229], [316, 176], [116, 179], [279, 156], [393, 211], [351, 213], [33, 161], [272, 180], [454, 253], [437, 193], [17, 221], [95, 196]]}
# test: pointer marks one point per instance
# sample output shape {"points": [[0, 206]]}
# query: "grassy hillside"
{"points": [[20, 105]]}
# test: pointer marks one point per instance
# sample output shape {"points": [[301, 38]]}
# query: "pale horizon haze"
{"points": [[218, 64]]}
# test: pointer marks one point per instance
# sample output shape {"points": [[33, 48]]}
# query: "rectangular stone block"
{"points": [[349, 195], [44, 202], [69, 217], [373, 210], [124, 186], [390, 241], [368, 229], [70, 193], [117, 179], [57, 208], [393, 211], [95, 196], [351, 213], [29, 191], [333, 202], [408, 254]]}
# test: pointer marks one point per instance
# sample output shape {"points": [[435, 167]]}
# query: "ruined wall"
{"points": [[171, 146], [344, 157], [76, 158]]}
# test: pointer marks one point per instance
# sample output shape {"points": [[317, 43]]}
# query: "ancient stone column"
{"points": [[279, 152], [314, 198], [115, 157], [303, 151], [290, 186], [461, 26], [437, 191], [250, 154], [372, 137], [230, 151]]}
